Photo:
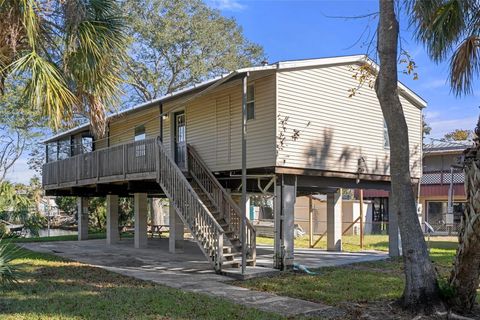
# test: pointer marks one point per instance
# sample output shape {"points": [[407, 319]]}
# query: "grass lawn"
{"points": [[350, 243], [69, 237], [360, 283], [53, 288]]}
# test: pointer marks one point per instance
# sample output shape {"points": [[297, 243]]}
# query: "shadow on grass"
{"points": [[70, 237], [333, 286], [56, 288]]}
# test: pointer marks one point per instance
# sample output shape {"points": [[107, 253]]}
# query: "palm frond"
{"points": [[439, 24], [95, 49], [47, 89], [465, 65], [72, 51], [9, 273]]}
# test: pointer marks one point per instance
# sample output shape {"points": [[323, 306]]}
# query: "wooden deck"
{"points": [[131, 161]]}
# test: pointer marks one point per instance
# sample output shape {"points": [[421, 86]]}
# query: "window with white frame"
{"points": [[250, 102], [139, 136], [386, 140]]}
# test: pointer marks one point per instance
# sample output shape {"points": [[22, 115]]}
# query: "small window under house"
{"points": [[139, 136], [250, 102], [386, 139]]}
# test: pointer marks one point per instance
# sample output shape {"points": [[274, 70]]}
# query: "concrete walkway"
{"points": [[190, 271], [319, 258]]}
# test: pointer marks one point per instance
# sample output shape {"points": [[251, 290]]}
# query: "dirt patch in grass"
{"points": [[391, 310]]}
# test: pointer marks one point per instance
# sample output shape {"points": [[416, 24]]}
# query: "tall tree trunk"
{"points": [[464, 278], [157, 212], [421, 288]]}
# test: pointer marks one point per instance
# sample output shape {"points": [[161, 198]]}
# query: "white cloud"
{"points": [[441, 127], [228, 5], [434, 84], [431, 115]]}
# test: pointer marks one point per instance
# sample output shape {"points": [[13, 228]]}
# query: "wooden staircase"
{"points": [[208, 211]]}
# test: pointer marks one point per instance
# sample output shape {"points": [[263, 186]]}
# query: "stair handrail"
{"points": [[168, 170], [251, 232]]}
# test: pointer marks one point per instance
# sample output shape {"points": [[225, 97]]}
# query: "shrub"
{"points": [[8, 272], [4, 231]]}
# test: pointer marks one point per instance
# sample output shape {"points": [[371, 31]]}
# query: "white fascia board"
{"points": [[145, 104], [355, 59], [320, 62], [402, 88], [281, 65], [67, 132]]}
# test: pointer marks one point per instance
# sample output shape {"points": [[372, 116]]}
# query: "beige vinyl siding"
{"points": [[101, 144], [122, 128], [335, 131], [214, 125]]}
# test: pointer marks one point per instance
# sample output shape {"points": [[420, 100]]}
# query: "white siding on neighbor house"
{"points": [[214, 125], [335, 131]]}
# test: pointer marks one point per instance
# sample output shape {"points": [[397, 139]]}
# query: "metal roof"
{"points": [[280, 65], [438, 146]]}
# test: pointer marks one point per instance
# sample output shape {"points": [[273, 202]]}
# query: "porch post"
{"points": [[334, 221], [394, 247], [175, 240], [140, 211], [285, 196], [82, 221], [112, 219]]}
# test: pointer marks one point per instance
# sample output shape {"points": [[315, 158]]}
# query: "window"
{"points": [[437, 213], [87, 144], [52, 149], [140, 133], [250, 102], [64, 149], [386, 140], [139, 136]]}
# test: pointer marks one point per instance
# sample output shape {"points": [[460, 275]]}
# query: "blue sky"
{"points": [[311, 29]]}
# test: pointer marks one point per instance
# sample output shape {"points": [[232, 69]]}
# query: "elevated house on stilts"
{"points": [[304, 135]]}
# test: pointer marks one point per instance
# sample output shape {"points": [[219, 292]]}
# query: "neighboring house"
{"points": [[350, 215], [441, 196], [442, 192], [304, 134]]}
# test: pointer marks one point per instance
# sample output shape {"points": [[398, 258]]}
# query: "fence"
{"points": [[375, 233]]}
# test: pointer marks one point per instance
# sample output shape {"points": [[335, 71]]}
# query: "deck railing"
{"points": [[442, 177], [223, 202], [149, 156], [203, 226], [121, 160]]}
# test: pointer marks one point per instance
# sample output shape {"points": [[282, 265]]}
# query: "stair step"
{"points": [[237, 263], [233, 264]]}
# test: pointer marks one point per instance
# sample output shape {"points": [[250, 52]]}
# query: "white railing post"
{"points": [[124, 153], [219, 258]]}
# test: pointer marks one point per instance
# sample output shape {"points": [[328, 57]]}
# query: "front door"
{"points": [[180, 140]]}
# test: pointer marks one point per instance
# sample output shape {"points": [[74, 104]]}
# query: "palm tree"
{"points": [[450, 30], [68, 51]]}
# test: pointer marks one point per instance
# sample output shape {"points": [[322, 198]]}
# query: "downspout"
{"points": [[108, 134], [72, 146], [161, 122], [244, 172], [450, 193]]}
